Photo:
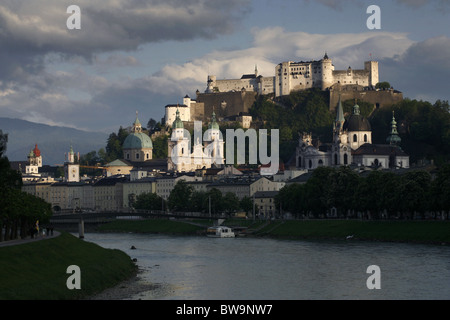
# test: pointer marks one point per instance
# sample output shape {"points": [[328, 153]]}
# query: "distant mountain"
{"points": [[52, 141]]}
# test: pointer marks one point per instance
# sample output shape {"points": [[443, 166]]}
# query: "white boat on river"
{"points": [[220, 232]]}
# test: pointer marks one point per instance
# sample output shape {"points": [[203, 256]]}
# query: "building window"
{"points": [[365, 138], [355, 138], [310, 164], [335, 159], [345, 159]]}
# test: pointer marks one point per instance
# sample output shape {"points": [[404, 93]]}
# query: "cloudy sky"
{"points": [[140, 55]]}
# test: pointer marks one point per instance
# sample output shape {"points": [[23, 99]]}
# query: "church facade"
{"points": [[352, 145], [183, 158]]}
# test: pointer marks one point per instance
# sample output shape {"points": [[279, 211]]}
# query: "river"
{"points": [[200, 268]]}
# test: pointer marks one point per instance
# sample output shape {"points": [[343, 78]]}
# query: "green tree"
{"points": [[17, 209], [291, 198], [423, 127], [160, 147], [151, 124], [414, 187], [3, 142], [114, 145], [180, 196], [199, 201], [440, 191], [338, 192], [149, 201], [216, 200], [383, 85], [230, 202], [246, 204], [315, 190]]}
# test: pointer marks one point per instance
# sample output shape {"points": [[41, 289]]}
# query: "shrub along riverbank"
{"points": [[37, 270], [369, 230]]}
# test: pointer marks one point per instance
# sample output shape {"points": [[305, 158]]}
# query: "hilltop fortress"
{"points": [[233, 97], [294, 76]]}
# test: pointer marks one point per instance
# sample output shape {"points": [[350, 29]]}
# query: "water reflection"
{"points": [[249, 268]]}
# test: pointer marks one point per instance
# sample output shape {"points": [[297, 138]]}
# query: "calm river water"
{"points": [[200, 268]]}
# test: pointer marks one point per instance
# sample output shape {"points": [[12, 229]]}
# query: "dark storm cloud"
{"points": [[424, 69], [30, 29]]}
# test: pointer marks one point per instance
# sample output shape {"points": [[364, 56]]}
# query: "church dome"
{"points": [[137, 140], [356, 122]]}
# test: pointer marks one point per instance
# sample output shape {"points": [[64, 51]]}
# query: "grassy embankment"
{"points": [[37, 270], [398, 231], [401, 231]]}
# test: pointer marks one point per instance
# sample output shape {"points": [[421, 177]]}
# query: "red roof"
{"points": [[36, 151]]}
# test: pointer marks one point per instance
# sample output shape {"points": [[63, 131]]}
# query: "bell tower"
{"points": [[71, 169]]}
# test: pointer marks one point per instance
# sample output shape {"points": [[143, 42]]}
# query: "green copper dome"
{"points": [[214, 125], [177, 124], [137, 140]]}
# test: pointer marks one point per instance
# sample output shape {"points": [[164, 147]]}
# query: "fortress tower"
{"points": [[327, 72]]}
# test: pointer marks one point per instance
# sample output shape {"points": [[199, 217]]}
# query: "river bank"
{"points": [[125, 289], [39, 270], [429, 232]]}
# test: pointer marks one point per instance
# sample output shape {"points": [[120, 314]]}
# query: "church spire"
{"points": [[339, 122], [340, 112], [393, 137]]}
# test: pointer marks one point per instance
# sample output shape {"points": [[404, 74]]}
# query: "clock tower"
{"points": [[71, 169]]}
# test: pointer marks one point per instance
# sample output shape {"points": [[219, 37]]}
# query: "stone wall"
{"points": [[379, 98], [224, 104]]}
